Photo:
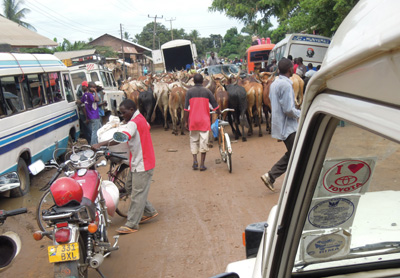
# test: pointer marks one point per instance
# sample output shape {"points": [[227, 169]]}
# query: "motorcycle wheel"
{"points": [[74, 268], [45, 203], [124, 196]]}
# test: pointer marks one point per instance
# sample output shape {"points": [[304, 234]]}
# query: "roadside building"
{"points": [[14, 36], [130, 54]]}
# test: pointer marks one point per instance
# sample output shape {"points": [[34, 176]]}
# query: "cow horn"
{"points": [[183, 86]]}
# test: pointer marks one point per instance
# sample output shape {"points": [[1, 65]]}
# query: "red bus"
{"points": [[258, 54]]}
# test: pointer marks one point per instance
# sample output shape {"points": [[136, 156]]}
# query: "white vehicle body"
{"points": [[311, 48], [91, 69], [177, 54], [337, 213], [38, 112]]}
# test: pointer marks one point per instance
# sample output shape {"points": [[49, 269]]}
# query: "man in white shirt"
{"points": [[212, 60]]}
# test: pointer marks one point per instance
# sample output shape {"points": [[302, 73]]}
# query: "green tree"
{"points": [[163, 35], [13, 12], [321, 16]]}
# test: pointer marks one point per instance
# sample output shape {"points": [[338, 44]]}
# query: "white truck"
{"points": [[92, 68], [337, 214], [177, 54]]}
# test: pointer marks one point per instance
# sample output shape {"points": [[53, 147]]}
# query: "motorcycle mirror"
{"points": [[120, 137], [36, 167]]}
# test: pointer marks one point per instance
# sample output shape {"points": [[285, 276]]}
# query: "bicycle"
{"points": [[117, 173], [224, 141]]}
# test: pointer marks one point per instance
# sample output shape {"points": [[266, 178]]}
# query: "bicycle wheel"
{"points": [[221, 149], [228, 153], [124, 196], [45, 203]]}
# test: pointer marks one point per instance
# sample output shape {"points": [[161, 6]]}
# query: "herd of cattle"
{"points": [[249, 97]]}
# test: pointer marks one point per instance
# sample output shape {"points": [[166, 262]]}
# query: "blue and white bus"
{"points": [[311, 48], [38, 114]]}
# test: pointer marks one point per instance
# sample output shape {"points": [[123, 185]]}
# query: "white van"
{"points": [[338, 211], [311, 48], [38, 114]]}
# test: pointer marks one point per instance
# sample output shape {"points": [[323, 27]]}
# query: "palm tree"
{"points": [[13, 12]]}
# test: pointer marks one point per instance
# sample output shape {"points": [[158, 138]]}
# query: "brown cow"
{"points": [[254, 104], [176, 104]]}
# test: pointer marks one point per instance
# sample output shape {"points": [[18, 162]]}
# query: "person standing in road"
{"points": [[85, 132], [212, 60], [197, 119], [142, 163], [101, 104], [301, 69], [310, 71], [284, 119], [90, 100]]}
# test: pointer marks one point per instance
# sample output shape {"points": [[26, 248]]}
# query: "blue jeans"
{"points": [[94, 125], [138, 183]]}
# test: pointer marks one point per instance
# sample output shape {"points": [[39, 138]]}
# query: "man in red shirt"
{"points": [[197, 119], [142, 162]]}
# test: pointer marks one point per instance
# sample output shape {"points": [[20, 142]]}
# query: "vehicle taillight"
{"points": [[63, 235]]}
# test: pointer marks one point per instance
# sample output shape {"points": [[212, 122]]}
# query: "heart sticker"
{"points": [[355, 167]]}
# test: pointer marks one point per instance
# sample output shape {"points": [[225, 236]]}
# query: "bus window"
{"points": [[94, 76], [12, 95], [34, 95], [78, 78], [259, 56], [68, 88], [55, 86]]}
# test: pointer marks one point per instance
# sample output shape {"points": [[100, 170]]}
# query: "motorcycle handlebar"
{"points": [[4, 213], [116, 155]]}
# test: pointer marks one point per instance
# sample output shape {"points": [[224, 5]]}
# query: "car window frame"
{"points": [[323, 116]]}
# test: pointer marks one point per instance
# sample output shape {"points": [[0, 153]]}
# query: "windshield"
{"points": [[227, 69], [353, 217]]}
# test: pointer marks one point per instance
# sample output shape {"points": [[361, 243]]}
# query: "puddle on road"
{"points": [[31, 199]]}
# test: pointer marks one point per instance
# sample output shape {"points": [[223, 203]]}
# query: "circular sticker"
{"points": [[310, 52], [331, 213], [346, 176], [326, 246]]}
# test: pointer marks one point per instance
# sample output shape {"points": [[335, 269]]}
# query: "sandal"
{"points": [[203, 168], [147, 218], [125, 230], [195, 166]]}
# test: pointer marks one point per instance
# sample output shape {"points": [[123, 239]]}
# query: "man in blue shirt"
{"points": [[284, 121]]}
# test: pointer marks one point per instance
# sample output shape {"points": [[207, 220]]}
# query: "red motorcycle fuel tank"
{"points": [[90, 184]]}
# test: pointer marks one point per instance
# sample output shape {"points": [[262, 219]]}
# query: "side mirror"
{"points": [[10, 180], [120, 137], [36, 167]]}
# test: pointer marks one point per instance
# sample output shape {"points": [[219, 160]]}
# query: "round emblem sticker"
{"points": [[346, 176], [310, 52], [326, 246], [331, 213]]}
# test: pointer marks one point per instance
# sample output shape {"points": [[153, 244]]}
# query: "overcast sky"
{"points": [[81, 19]]}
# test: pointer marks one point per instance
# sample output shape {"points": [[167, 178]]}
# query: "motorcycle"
{"points": [[75, 213]]}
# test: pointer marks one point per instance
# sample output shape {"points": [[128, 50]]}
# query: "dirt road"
{"points": [[201, 214]]}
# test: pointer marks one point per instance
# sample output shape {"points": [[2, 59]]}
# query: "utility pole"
{"points": [[123, 53], [154, 31], [170, 21]]}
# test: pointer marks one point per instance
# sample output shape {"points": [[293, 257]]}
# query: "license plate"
{"points": [[64, 252]]}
